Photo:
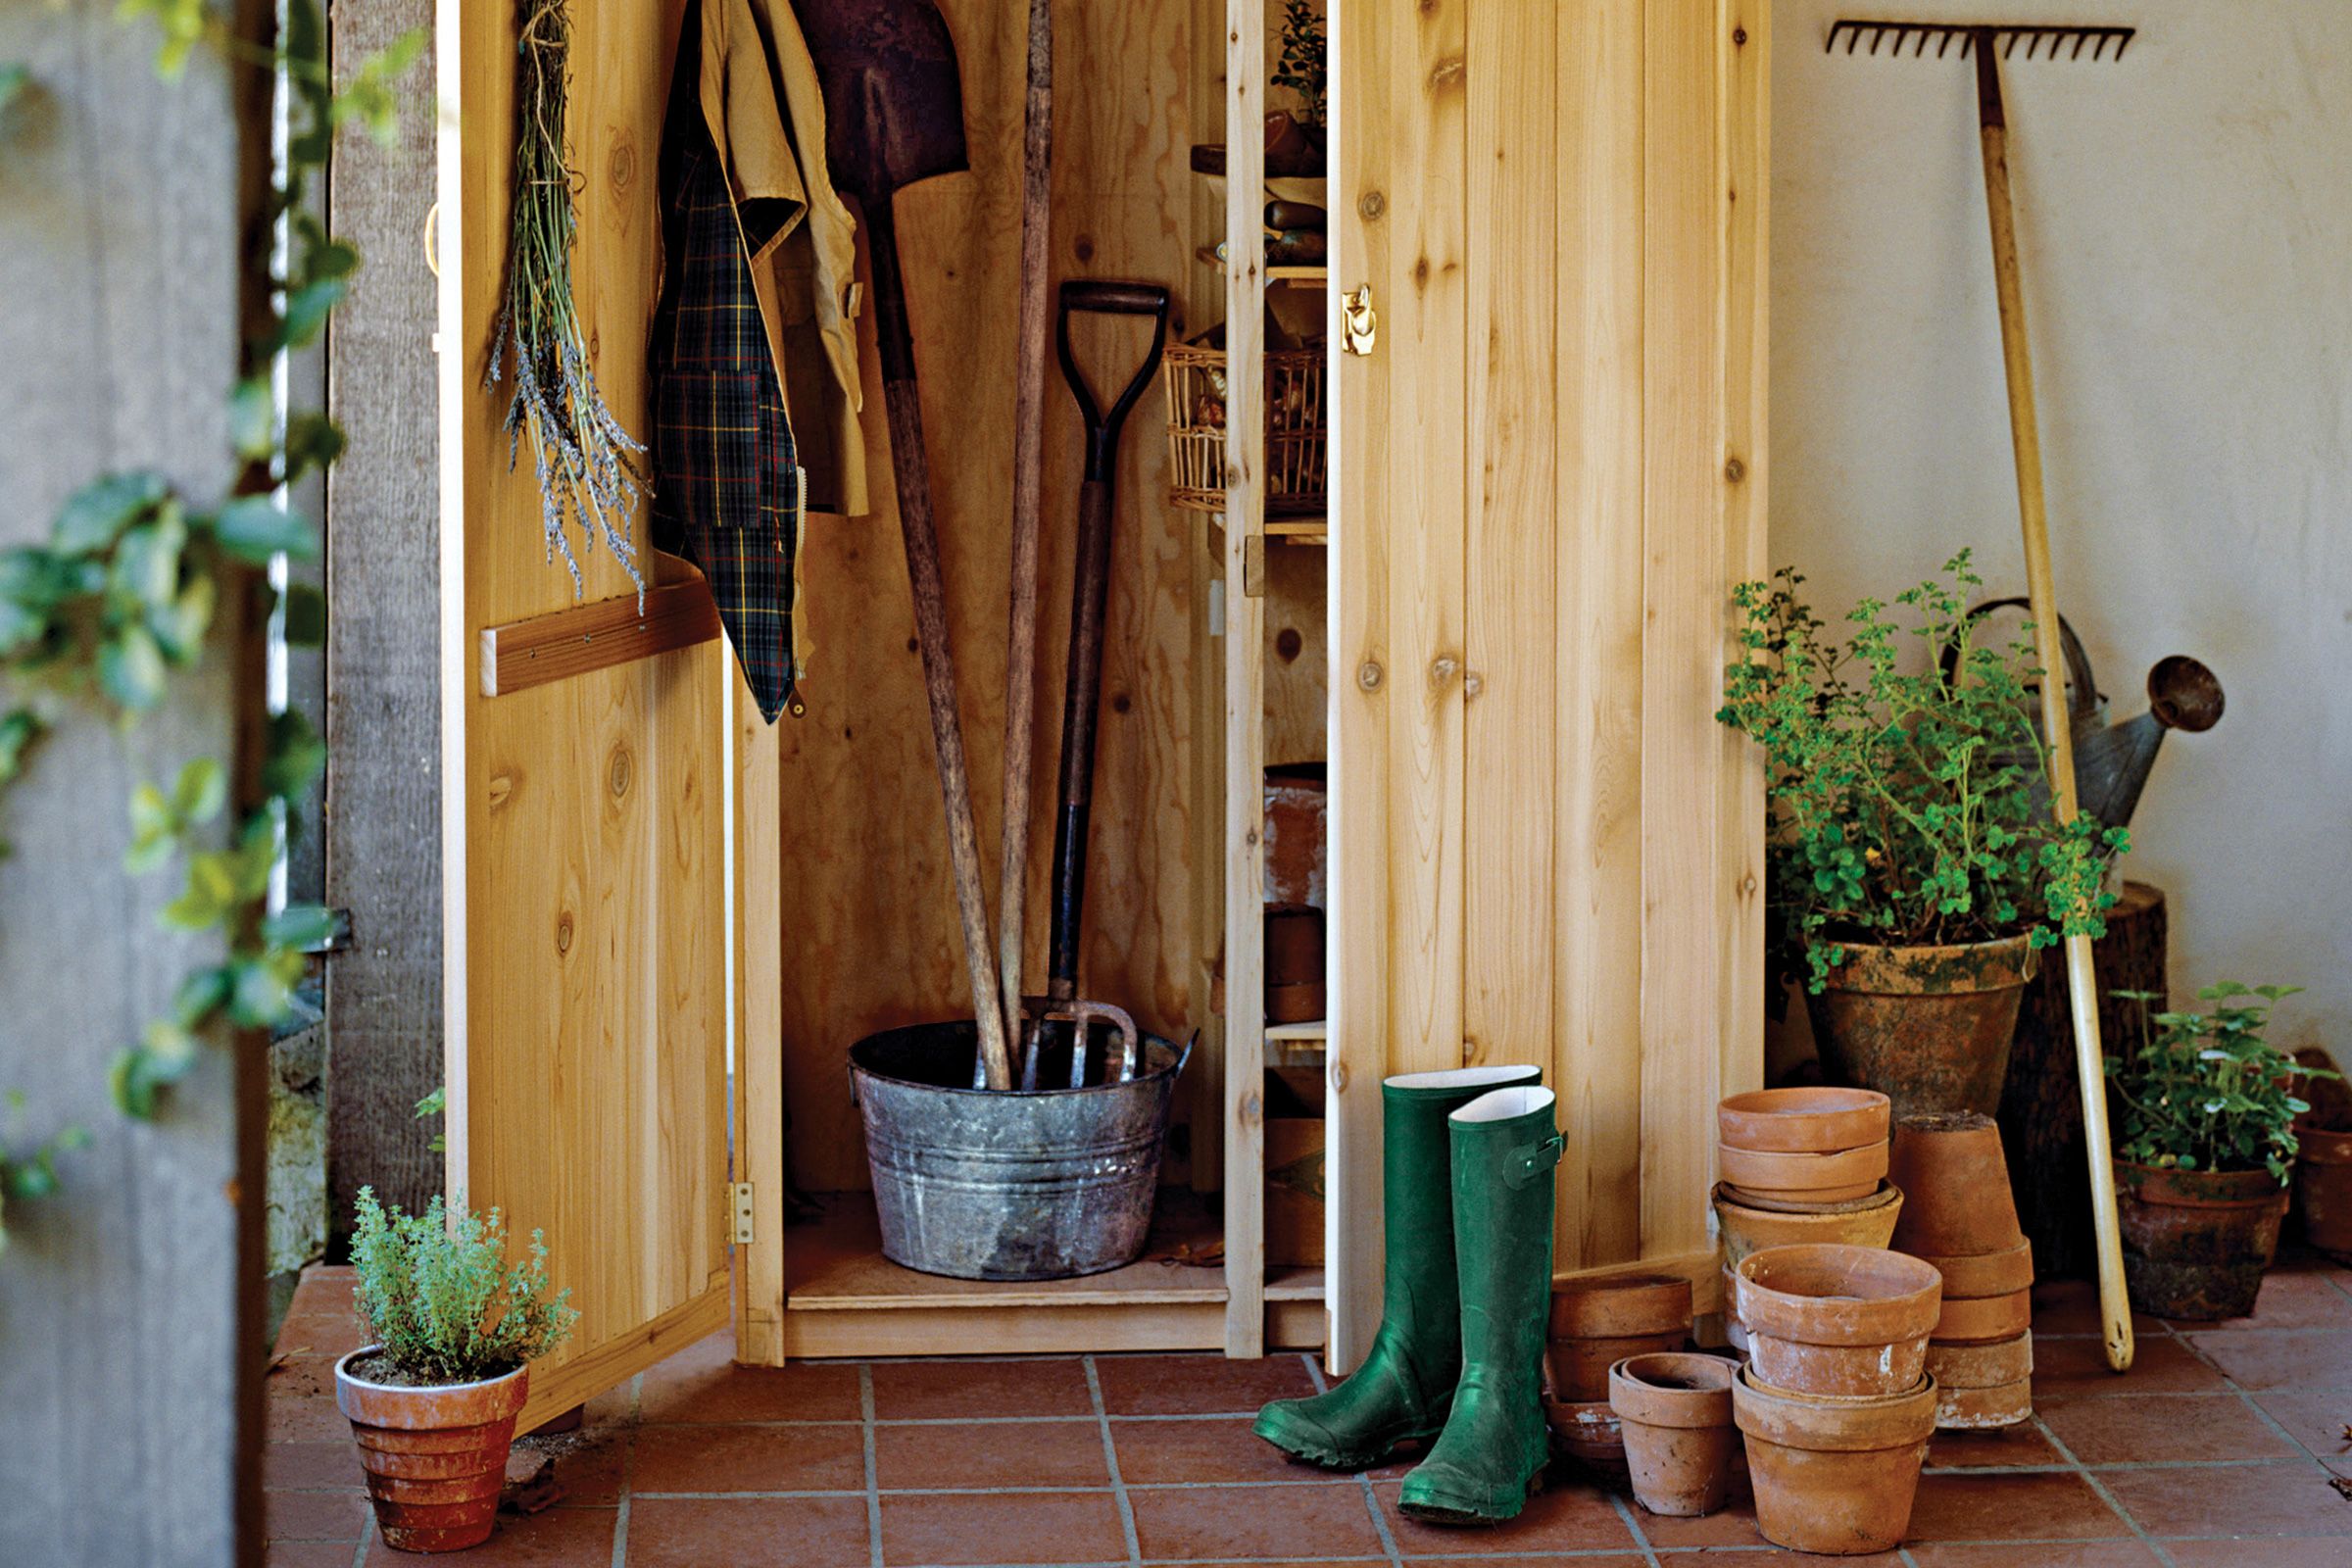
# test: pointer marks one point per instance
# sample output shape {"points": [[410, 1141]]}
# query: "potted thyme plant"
{"points": [[2205, 1148], [432, 1401], [1915, 868]]}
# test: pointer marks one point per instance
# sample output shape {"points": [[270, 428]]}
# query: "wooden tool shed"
{"points": [[667, 921]]}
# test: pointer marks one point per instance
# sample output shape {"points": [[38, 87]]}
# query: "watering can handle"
{"points": [[2084, 696]]}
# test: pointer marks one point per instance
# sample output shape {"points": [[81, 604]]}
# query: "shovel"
{"points": [[894, 111]]}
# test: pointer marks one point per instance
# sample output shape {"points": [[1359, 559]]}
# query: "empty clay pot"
{"points": [[1834, 1477], [1815, 1119], [1955, 1183], [1741, 1228], [1591, 1434], [2196, 1241], [1836, 1320], [1837, 1176], [1597, 1323], [2001, 1273], [2323, 1188], [1675, 1412], [1887, 1193], [1985, 1409], [1927, 1027], [1985, 1318], [435, 1457], [1980, 1366], [1734, 1331]]}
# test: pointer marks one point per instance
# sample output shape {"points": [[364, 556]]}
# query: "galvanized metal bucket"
{"points": [[1031, 1184]]}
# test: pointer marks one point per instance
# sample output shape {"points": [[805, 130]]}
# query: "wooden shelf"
{"points": [[844, 1298], [1207, 256]]}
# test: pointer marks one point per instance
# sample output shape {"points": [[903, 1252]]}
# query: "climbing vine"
{"points": [[119, 600]]}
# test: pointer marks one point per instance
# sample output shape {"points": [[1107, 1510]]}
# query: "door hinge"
{"points": [[743, 1212]]}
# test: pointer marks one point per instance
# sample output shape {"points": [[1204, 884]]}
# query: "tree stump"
{"points": [[2041, 1101]]}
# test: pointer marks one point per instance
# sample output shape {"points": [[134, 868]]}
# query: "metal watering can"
{"points": [[2112, 760]]}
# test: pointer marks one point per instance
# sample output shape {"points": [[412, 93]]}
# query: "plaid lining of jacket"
{"points": [[727, 486]]}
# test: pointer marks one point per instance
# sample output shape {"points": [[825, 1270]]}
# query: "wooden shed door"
{"points": [[585, 824]]}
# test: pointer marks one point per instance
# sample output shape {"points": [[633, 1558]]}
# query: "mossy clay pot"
{"points": [[2323, 1188], [1675, 1411], [2196, 1243], [1927, 1027], [1835, 1477], [1839, 1321]]}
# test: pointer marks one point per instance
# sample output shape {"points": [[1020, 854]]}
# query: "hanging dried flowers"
{"points": [[585, 458]]}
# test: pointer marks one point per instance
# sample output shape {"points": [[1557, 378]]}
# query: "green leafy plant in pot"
{"points": [[1915, 869], [2205, 1147], [432, 1401]]}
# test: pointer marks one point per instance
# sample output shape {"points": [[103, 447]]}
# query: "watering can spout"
{"points": [[2111, 765]]}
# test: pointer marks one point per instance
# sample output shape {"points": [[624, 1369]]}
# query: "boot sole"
{"points": [[1470, 1514], [1334, 1459]]}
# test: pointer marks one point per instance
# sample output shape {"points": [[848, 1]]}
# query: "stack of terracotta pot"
{"points": [[1836, 1405], [1962, 1219], [1798, 1166], [1595, 1324]]}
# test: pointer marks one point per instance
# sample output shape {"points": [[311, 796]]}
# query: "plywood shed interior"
{"points": [[1505, 639]]}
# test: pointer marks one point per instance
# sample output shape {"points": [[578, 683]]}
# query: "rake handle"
{"points": [[2042, 591]]}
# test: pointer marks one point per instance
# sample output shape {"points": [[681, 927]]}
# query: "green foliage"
{"points": [[1907, 810], [33, 1172], [2205, 1091], [1303, 65], [435, 1103], [439, 1293]]}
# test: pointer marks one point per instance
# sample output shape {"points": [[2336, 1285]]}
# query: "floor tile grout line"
{"points": [[1111, 1463], [873, 1483], [2246, 1396], [2100, 1490], [629, 1467], [1649, 1553], [1363, 1478]]}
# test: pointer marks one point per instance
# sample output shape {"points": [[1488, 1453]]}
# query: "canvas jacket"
{"points": [[755, 320]]}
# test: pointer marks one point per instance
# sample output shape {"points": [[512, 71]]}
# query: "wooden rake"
{"points": [[2069, 44]]}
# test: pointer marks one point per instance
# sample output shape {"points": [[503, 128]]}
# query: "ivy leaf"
{"points": [[180, 627], [295, 756], [201, 790], [146, 566], [96, 515], [299, 926], [260, 993], [306, 311], [199, 995], [304, 621], [254, 528], [131, 667], [253, 418], [210, 893], [312, 441]]}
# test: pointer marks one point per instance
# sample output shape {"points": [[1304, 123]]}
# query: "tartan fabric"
{"points": [[726, 481]]}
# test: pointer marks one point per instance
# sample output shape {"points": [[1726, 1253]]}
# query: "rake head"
{"points": [[2049, 42]]}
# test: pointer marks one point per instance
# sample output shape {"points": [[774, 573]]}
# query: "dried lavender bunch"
{"points": [[586, 459]]}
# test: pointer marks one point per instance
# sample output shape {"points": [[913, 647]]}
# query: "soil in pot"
{"points": [[2323, 1187], [1808, 1119], [1927, 1027], [1833, 1477], [1837, 1321], [1956, 1182], [436, 1455], [1675, 1411], [1597, 1323], [2196, 1243]]}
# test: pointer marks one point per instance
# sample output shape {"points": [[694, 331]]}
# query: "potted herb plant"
{"points": [[1915, 868], [2205, 1147], [432, 1401]]}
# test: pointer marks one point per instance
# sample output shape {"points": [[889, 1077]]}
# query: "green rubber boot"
{"points": [[1493, 1450], [1406, 1386]]}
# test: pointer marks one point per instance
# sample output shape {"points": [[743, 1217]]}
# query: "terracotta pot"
{"points": [[1927, 1027], [1743, 1227], [2323, 1188], [1837, 1477], [1980, 1366], [1885, 1193], [1591, 1434], [1984, 1409], [1838, 1176], [1836, 1320], [1984, 1319], [1734, 1331], [1675, 1411], [1814, 1120], [1957, 1201], [1597, 1323], [1972, 1278], [2196, 1241], [435, 1457]]}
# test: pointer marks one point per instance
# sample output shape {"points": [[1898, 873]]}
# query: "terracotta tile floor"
{"points": [[2216, 1453]]}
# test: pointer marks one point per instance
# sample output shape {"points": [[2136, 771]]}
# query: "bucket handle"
{"points": [[1080, 1014]]}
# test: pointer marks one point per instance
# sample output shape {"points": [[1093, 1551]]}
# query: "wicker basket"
{"points": [[1298, 439]]}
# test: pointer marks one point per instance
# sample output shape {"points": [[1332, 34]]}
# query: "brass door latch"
{"points": [[1359, 322]]}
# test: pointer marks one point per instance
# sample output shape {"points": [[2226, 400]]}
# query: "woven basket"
{"points": [[1298, 437]]}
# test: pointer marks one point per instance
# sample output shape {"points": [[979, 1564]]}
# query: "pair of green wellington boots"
{"points": [[1466, 1177]]}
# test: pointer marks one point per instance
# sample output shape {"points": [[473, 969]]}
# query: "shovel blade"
{"points": [[893, 101]]}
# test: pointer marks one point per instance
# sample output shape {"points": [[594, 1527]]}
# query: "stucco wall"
{"points": [[2187, 226]]}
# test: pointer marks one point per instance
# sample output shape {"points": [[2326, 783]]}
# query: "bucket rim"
{"points": [[1182, 1052]]}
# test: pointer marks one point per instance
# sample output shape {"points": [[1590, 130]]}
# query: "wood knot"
{"points": [[1369, 675], [1734, 471], [619, 770], [564, 932], [1371, 205], [1083, 248], [500, 787], [1289, 645], [621, 167]]}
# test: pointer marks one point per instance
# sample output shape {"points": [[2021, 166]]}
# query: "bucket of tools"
{"points": [[1043, 1182]]}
